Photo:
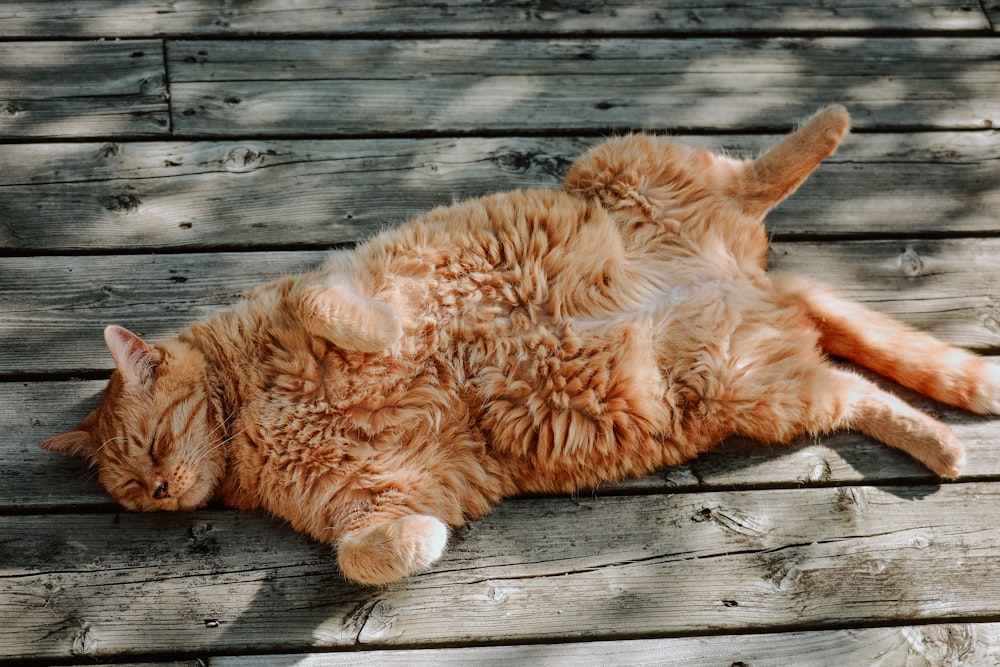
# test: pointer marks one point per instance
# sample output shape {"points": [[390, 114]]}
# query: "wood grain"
{"points": [[312, 87], [78, 89], [114, 18], [535, 570], [915, 646], [130, 196], [288, 126]]}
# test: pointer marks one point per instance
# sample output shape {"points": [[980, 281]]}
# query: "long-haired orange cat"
{"points": [[532, 341]]}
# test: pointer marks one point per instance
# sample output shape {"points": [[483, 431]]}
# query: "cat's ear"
{"points": [[134, 359], [74, 443]]}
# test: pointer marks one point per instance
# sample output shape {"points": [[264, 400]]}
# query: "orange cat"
{"points": [[533, 341]]}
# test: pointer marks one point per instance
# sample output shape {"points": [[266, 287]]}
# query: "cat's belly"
{"points": [[578, 402], [624, 392]]}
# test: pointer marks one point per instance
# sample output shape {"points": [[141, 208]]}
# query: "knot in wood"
{"points": [[243, 159], [109, 149], [911, 263], [121, 203]]}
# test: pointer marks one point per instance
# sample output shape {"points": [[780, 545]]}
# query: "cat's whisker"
{"points": [[216, 445], [223, 424]]}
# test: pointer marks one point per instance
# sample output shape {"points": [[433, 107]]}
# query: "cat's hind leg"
{"points": [[912, 358], [889, 419], [777, 173], [821, 399], [652, 179], [385, 552]]}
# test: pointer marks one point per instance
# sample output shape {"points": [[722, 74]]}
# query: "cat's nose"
{"points": [[161, 491]]}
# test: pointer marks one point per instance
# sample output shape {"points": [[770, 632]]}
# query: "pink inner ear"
{"points": [[134, 359]]}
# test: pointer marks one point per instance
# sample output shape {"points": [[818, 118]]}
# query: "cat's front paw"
{"points": [[350, 320], [388, 552]]}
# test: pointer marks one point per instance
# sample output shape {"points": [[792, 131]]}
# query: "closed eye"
{"points": [[128, 486]]}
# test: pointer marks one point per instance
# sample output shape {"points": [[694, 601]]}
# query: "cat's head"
{"points": [[157, 437]]}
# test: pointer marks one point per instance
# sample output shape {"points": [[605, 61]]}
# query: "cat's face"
{"points": [[156, 438]]}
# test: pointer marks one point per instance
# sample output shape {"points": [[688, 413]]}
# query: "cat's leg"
{"points": [[351, 321], [820, 399], [653, 179], [777, 173], [385, 551], [913, 358], [887, 418]]}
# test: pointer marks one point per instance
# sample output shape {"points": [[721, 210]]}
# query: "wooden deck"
{"points": [[158, 158]]}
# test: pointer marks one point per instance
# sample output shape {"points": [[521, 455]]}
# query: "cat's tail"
{"points": [[912, 358]]}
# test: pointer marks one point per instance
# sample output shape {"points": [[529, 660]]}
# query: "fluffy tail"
{"points": [[912, 358]]}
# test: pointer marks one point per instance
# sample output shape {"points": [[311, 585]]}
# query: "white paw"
{"points": [[388, 552]]}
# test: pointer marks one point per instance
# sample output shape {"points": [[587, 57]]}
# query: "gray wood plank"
{"points": [[80, 89], [108, 18], [913, 645], [941, 286], [65, 300], [301, 87], [534, 571], [66, 197], [32, 480], [53, 309], [251, 193]]}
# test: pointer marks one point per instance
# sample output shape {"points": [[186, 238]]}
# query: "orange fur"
{"points": [[536, 340]]}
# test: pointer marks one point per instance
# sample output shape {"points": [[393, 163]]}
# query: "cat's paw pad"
{"points": [[985, 397], [388, 552]]}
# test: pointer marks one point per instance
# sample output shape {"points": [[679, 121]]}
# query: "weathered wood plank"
{"points": [[29, 481], [34, 481], [65, 300], [914, 645], [313, 87], [251, 193], [112, 18], [66, 197], [53, 309], [535, 570], [942, 286], [79, 89]]}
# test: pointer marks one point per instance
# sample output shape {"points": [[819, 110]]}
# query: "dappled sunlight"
{"points": [[878, 92], [161, 158]]}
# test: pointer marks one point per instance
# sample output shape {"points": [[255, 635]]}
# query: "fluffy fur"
{"points": [[532, 341]]}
